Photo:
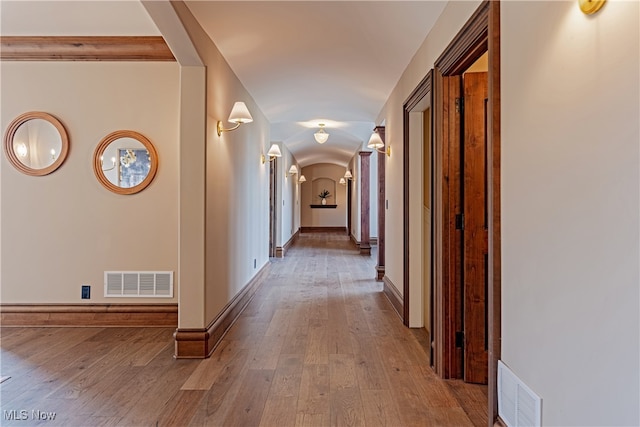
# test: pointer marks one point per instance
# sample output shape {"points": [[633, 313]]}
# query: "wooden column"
{"points": [[365, 244], [382, 161]]}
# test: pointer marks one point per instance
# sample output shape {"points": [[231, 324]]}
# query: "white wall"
{"points": [[65, 229], [289, 200], [354, 167], [570, 208], [237, 185]]}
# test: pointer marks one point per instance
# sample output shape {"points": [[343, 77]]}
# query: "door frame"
{"points": [[481, 33]]}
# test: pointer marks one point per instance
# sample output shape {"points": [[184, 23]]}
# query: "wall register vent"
{"points": [[136, 284], [518, 405]]}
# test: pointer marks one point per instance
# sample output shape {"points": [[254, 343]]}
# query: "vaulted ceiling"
{"points": [[303, 62]]}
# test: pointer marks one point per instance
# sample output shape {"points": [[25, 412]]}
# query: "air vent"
{"points": [[136, 284], [518, 405]]}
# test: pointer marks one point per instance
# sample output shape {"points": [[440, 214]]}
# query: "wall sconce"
{"points": [[293, 170], [343, 181], [348, 175], [239, 115], [590, 7], [376, 143], [113, 164], [321, 136], [273, 152], [302, 179]]}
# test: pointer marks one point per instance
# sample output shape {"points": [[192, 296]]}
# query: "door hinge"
{"points": [[459, 105], [460, 222], [459, 339]]}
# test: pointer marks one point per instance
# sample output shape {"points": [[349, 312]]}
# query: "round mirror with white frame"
{"points": [[125, 162], [36, 143]]}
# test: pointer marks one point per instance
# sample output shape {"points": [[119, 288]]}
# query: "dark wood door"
{"points": [[475, 232]]}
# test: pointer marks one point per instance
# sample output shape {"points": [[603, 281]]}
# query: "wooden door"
{"points": [[475, 231]]}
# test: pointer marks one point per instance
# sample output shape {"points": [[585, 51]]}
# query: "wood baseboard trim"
{"points": [[323, 229], [200, 343], [379, 272], [98, 315], [365, 249], [85, 48], [393, 295], [282, 250], [354, 240]]}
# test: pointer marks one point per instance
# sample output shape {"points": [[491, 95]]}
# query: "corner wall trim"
{"points": [[393, 295], [101, 315], [200, 343]]}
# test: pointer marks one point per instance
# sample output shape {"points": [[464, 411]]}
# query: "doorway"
{"points": [[418, 179], [479, 36]]}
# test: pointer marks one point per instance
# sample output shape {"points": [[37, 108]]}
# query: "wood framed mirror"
{"points": [[125, 162], [36, 143]]}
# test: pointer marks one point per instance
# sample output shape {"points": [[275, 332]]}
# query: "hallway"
{"points": [[318, 345]]}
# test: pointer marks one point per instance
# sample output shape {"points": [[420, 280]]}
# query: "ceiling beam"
{"points": [[86, 48]]}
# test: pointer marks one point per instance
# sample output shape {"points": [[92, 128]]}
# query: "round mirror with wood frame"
{"points": [[36, 143], [125, 162]]}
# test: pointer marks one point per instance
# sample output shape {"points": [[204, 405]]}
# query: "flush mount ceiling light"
{"points": [[239, 115], [321, 136]]}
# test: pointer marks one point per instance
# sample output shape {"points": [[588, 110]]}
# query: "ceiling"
{"points": [[312, 62], [303, 62]]}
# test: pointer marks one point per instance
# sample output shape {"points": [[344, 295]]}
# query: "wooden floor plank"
{"points": [[249, 404], [318, 345]]}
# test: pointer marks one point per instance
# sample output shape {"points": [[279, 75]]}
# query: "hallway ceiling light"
{"points": [[302, 179], [239, 115], [321, 136]]}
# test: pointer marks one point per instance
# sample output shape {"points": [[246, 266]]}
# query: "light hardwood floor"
{"points": [[319, 345]]}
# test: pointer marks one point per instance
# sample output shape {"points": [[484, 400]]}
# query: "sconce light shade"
{"points": [[274, 151], [321, 136], [239, 115], [343, 181], [302, 179], [293, 170], [375, 142], [348, 175]]}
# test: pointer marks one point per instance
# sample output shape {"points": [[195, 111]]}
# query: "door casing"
{"points": [[480, 34]]}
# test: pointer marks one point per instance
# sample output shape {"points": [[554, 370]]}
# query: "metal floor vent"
{"points": [[148, 284], [518, 405]]}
